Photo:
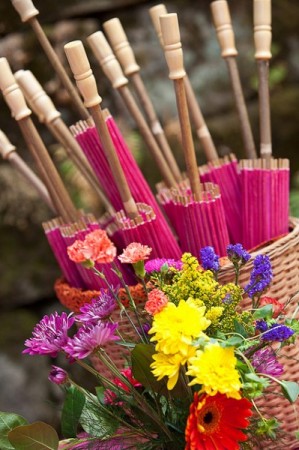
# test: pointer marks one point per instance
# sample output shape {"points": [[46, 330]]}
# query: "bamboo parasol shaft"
{"points": [[187, 139], [125, 55], [223, 24], [262, 39], [197, 117], [264, 109], [113, 71], [174, 58], [59, 196], [241, 107], [156, 127], [86, 83], [147, 135], [59, 69], [9, 153]]}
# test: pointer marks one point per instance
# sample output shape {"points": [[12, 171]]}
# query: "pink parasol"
{"points": [[142, 221]]}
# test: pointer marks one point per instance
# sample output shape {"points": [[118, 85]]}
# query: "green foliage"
{"points": [[71, 411], [36, 436], [290, 390], [8, 422], [142, 357], [96, 420]]}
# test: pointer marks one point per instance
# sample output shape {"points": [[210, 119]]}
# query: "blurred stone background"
{"points": [[27, 267]]}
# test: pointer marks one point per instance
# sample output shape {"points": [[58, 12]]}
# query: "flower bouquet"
{"points": [[197, 368]]}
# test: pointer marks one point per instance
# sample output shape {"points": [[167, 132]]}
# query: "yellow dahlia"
{"points": [[215, 369], [175, 327], [169, 366]]}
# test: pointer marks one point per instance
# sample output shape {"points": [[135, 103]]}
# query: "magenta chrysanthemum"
{"points": [[264, 361], [89, 338], [100, 308], [49, 335], [155, 265]]}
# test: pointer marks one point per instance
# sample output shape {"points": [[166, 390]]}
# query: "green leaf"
{"points": [[36, 436], [239, 329], [234, 341], [71, 412], [290, 390], [95, 419], [265, 312], [9, 421], [100, 391]]}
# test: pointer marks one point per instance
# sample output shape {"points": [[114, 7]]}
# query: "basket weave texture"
{"points": [[284, 256]]}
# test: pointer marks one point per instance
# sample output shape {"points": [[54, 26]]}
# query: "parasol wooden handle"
{"points": [[223, 24], [36, 97], [262, 29], [82, 72], [6, 147], [25, 8], [155, 13], [85, 80], [107, 60], [174, 58], [121, 47], [12, 93], [172, 46]]}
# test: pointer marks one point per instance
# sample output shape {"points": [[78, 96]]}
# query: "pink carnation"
{"points": [[157, 300], [96, 247], [76, 252], [134, 253], [99, 248]]}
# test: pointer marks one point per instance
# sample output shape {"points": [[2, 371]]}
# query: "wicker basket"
{"points": [[284, 256]]}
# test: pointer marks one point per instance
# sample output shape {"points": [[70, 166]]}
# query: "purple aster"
{"points": [[260, 277], [100, 308], [264, 361], [155, 265], [237, 254], [209, 259], [89, 338], [49, 335], [277, 332], [58, 375], [261, 325]]}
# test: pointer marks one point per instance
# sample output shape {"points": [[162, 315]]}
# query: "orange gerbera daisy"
{"points": [[215, 423]]}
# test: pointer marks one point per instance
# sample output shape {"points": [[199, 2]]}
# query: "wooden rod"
{"points": [[85, 80], [264, 107], [58, 67], [199, 122], [223, 25], [43, 106], [125, 55], [197, 117], [188, 146], [155, 125], [147, 136], [113, 71], [262, 40], [21, 113], [174, 58], [8, 152], [246, 130], [59, 195]]}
